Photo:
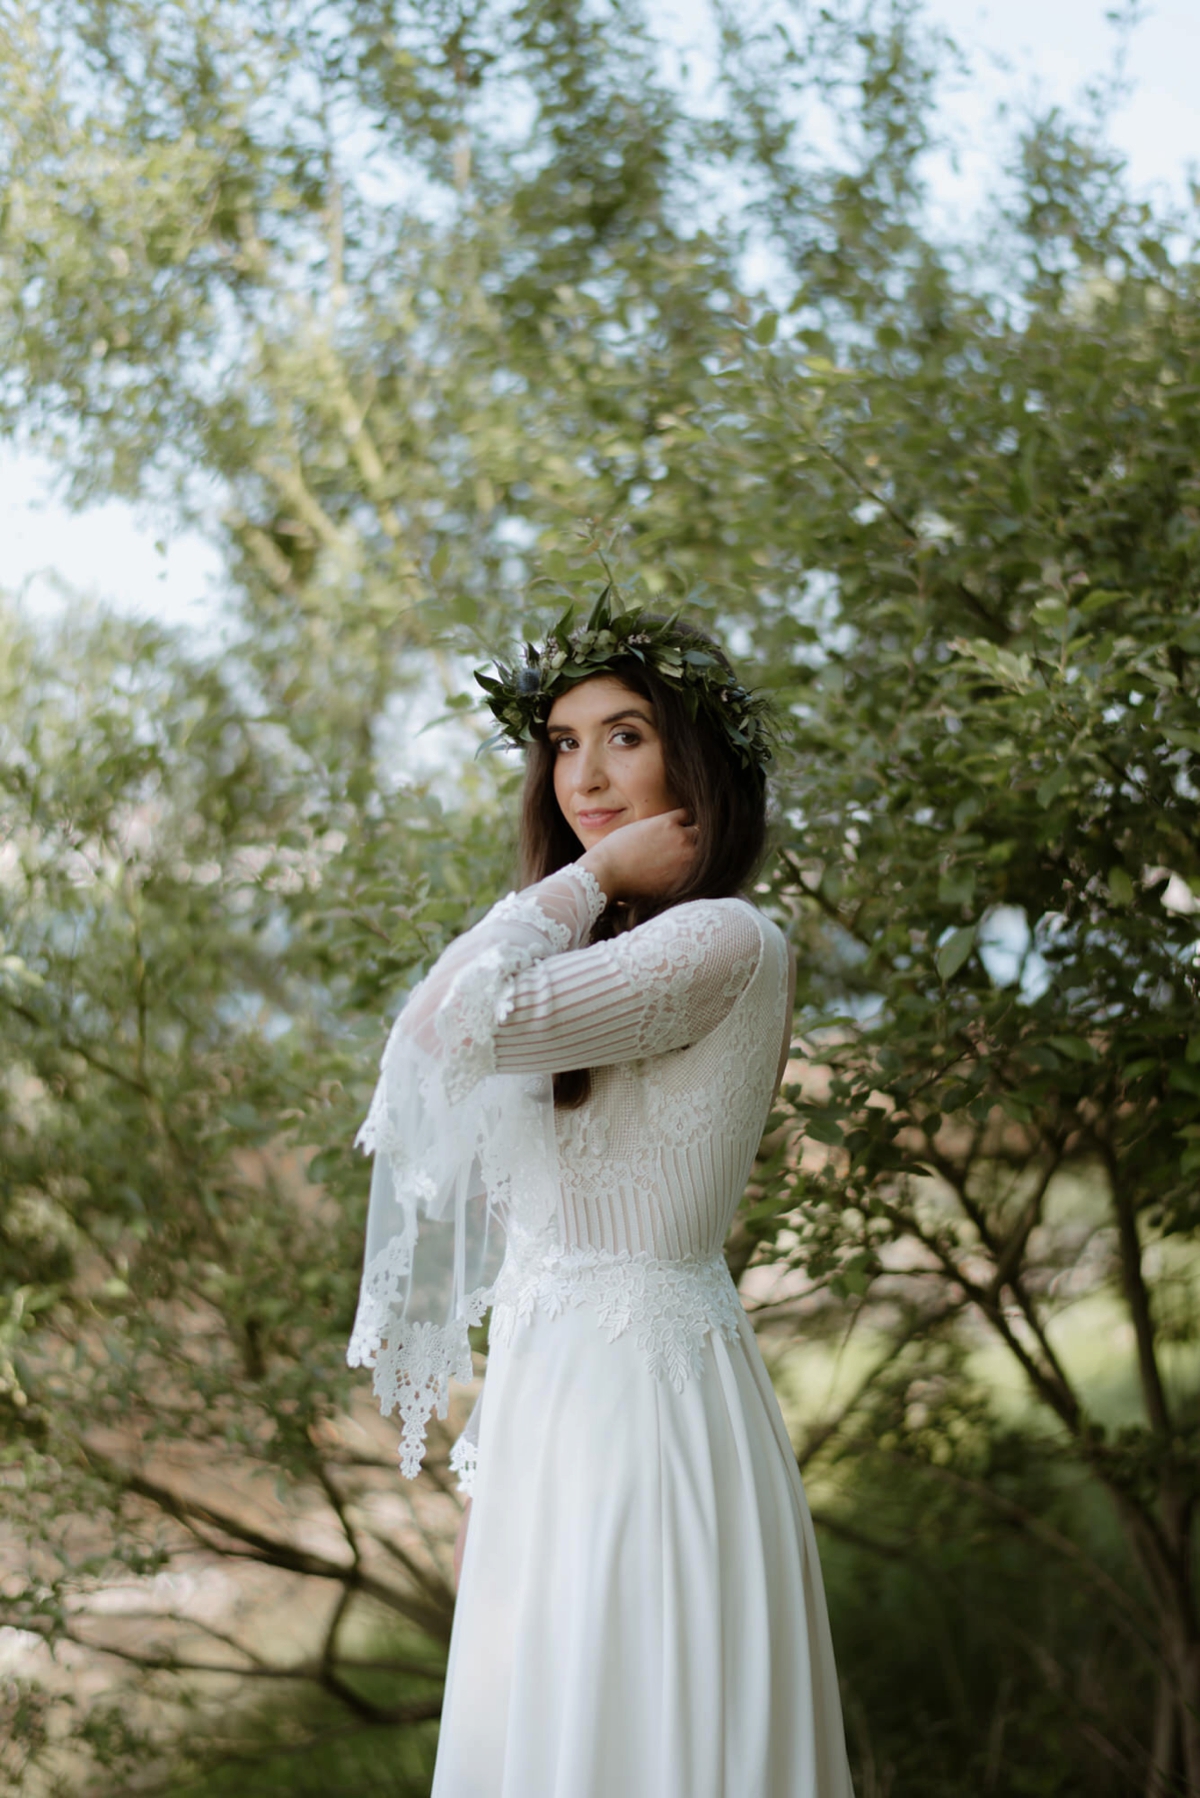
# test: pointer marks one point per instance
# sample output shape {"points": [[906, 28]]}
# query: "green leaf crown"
{"points": [[520, 695]]}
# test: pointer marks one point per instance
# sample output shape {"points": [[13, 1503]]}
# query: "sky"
{"points": [[1021, 51]]}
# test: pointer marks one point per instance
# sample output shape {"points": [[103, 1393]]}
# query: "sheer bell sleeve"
{"points": [[452, 1136]]}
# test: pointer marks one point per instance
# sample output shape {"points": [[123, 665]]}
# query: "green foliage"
{"points": [[396, 1763], [1012, 1681], [520, 697], [203, 940], [435, 300]]}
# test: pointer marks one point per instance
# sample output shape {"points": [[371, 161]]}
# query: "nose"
{"points": [[589, 769]]}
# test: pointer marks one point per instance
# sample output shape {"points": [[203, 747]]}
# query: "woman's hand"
{"points": [[648, 859]]}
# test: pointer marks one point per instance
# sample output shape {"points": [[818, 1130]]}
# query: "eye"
{"points": [[561, 743], [632, 737]]}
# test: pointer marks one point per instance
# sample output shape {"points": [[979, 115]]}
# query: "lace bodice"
{"points": [[621, 1205]]}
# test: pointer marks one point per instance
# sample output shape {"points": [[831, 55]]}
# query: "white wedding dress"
{"points": [[641, 1612]]}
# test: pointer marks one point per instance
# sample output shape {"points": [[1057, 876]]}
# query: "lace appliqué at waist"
{"points": [[670, 1306], [464, 1461]]}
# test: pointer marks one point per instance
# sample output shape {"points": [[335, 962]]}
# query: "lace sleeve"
{"points": [[453, 1015], [659, 987], [452, 1139]]}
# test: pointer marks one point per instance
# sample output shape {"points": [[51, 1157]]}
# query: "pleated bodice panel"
{"points": [[656, 1161]]}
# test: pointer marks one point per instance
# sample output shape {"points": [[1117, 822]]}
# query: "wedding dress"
{"points": [[641, 1613]]}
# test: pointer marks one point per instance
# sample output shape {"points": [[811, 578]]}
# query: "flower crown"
{"points": [[520, 696]]}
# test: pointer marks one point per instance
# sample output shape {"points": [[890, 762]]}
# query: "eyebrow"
{"points": [[628, 711]]}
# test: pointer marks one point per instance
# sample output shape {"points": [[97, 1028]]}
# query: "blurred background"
{"points": [[340, 341]]}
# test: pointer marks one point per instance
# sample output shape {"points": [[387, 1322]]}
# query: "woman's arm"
{"points": [[660, 987], [520, 994]]}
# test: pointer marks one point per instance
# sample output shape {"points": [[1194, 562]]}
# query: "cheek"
{"points": [[653, 793]]}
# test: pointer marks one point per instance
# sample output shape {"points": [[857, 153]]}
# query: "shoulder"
{"points": [[730, 933]]}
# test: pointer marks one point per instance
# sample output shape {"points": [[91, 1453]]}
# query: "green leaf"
{"points": [[957, 886], [1053, 785], [766, 327], [832, 883], [1099, 599], [1075, 1048], [1183, 739], [439, 561], [1052, 612], [1120, 885], [955, 950], [823, 1129]]}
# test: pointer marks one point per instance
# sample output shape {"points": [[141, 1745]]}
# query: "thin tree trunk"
{"points": [[1162, 1745], [1138, 1299], [1188, 1708]]}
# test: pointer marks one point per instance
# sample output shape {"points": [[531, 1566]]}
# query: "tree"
{"points": [[1000, 754], [175, 889], [420, 292]]}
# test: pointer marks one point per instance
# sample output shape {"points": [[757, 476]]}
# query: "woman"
{"points": [[640, 1612]]}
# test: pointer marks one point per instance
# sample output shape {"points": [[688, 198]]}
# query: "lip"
{"points": [[597, 819]]}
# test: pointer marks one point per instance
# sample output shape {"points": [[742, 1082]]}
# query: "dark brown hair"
{"points": [[725, 800]]}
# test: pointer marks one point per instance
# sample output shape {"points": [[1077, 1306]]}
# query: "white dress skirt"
{"points": [[640, 1613]]}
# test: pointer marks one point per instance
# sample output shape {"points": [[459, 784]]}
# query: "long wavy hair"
{"points": [[726, 801]]}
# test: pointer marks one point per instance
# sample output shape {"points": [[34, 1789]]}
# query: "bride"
{"points": [[640, 1609]]}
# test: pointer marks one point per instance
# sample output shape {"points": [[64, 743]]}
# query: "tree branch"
{"points": [[824, 1433], [1046, 1382], [1006, 1255], [259, 1546], [1140, 1620], [1138, 1299], [311, 1671], [71, 1047]]}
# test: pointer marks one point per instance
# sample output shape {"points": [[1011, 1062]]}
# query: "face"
{"points": [[608, 759]]}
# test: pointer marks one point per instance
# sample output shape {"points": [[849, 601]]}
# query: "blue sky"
{"points": [[1022, 50]]}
